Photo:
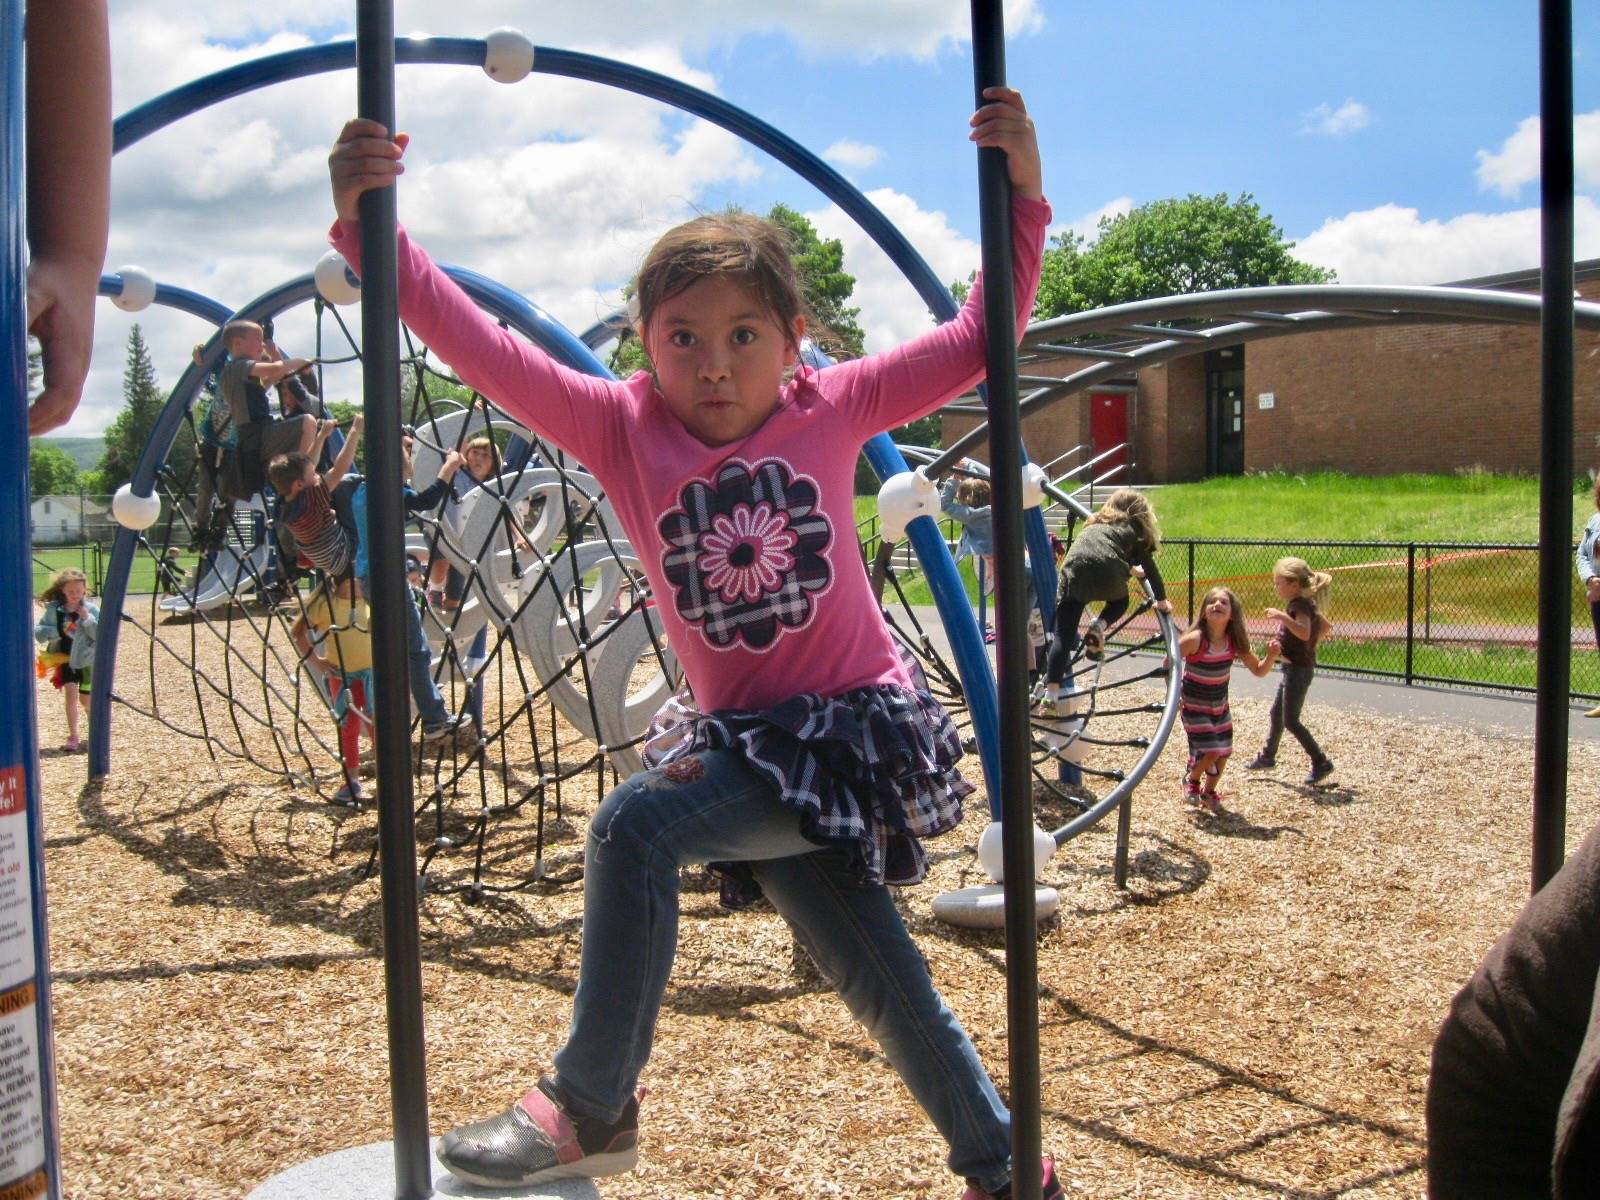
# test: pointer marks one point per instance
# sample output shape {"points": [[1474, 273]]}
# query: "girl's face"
{"points": [[1217, 611], [1288, 588], [479, 460], [73, 591], [720, 357]]}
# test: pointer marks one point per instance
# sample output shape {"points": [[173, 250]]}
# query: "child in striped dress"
{"points": [[1208, 652]]}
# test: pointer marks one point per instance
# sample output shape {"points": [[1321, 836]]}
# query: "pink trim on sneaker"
{"points": [[561, 1132]]}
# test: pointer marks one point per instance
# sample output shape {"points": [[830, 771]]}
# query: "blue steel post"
{"points": [[26, 993], [1555, 440], [1011, 621], [380, 360]]}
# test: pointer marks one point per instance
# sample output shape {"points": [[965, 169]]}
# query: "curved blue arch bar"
{"points": [[179, 298], [971, 659]]}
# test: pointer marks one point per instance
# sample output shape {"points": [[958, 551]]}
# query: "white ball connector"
{"points": [[991, 851], [1033, 481], [138, 289], [508, 56], [135, 512], [336, 282], [902, 499]]}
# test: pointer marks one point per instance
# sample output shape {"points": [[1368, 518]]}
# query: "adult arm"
{"points": [[69, 193], [1520, 1036]]}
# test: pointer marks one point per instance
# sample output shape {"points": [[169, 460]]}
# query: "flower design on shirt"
{"points": [[745, 552]]}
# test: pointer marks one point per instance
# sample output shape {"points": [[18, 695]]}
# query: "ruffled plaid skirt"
{"points": [[873, 770]]}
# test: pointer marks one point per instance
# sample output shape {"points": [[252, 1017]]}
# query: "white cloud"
{"points": [[863, 30], [555, 188], [891, 310], [1327, 121], [1392, 244], [1088, 225], [1516, 163], [850, 155]]}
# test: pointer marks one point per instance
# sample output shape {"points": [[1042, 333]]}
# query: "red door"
{"points": [[1108, 427]]}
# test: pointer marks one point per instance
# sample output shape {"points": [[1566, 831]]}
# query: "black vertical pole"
{"points": [[380, 358], [1555, 439], [1011, 620]]}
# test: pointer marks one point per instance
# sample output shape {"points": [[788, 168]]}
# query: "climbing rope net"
{"points": [[550, 644]]}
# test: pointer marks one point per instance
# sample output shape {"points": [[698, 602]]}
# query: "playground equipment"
{"points": [[525, 607]]}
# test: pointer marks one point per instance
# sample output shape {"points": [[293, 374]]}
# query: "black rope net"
{"points": [[546, 639], [543, 637]]}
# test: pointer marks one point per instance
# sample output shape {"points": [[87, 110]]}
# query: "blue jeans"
{"points": [[712, 806], [419, 662]]}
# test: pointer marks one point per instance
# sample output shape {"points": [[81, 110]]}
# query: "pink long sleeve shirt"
{"points": [[750, 547]]}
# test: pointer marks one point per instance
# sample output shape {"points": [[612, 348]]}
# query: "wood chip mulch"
{"points": [[1251, 1017]]}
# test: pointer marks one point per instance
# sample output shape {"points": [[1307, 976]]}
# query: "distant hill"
{"points": [[86, 452]]}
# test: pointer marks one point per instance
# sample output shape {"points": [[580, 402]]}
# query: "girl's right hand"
{"points": [[363, 158]]}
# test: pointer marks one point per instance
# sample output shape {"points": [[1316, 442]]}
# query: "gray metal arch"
{"points": [[1129, 337]]}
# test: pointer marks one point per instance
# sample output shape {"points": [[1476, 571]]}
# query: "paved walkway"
{"points": [[1510, 714]]}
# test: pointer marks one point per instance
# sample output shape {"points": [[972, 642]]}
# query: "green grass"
{"points": [[1469, 507], [47, 560], [1459, 596]]}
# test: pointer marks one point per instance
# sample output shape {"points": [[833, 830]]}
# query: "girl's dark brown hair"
{"points": [[755, 252], [1237, 633]]}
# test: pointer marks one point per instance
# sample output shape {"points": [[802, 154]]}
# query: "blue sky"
{"points": [[1393, 142]]}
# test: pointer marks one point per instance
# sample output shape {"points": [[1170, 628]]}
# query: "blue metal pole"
{"points": [[24, 951]]}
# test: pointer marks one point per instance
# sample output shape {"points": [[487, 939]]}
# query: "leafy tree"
{"points": [[826, 284], [51, 471], [1167, 248], [141, 400]]}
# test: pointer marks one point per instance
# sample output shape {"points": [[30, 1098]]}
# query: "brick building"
{"points": [[1375, 400]]}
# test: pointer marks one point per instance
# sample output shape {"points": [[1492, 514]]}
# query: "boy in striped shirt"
{"points": [[308, 506]]}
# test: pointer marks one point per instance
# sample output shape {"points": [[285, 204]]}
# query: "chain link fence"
{"points": [[1460, 613]]}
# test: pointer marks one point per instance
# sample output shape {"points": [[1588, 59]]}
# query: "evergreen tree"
{"points": [[142, 401]]}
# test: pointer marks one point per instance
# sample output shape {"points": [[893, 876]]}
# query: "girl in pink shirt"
{"points": [[818, 763]]}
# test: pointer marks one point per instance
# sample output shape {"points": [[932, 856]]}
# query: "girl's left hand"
{"points": [[1004, 124], [1275, 614]]}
